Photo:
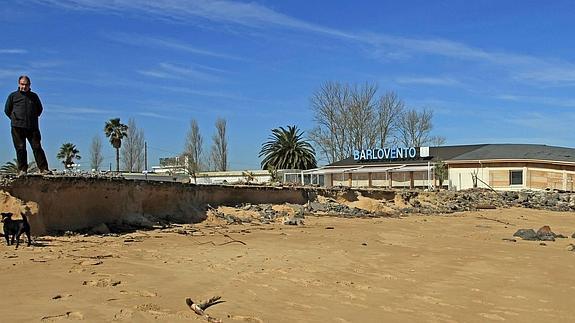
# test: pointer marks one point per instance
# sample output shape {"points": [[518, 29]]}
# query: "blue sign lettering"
{"points": [[385, 153]]}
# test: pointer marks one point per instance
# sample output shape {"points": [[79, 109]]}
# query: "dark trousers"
{"points": [[19, 137]]}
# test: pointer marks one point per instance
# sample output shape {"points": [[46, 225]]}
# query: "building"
{"points": [[176, 169], [497, 166]]}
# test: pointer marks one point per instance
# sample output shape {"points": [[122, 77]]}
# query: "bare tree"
{"points": [[437, 141], [219, 153], [208, 161], [329, 105], [415, 127], [388, 110], [193, 148], [352, 117], [96, 157], [133, 152], [362, 115]]}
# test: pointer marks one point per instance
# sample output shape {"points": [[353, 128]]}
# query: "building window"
{"points": [[516, 177]]}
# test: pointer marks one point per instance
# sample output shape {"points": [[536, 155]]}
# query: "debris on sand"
{"points": [[200, 308], [543, 234]]}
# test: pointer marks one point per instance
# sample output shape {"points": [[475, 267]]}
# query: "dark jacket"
{"points": [[23, 108]]}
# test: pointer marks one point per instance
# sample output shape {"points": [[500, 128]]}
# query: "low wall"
{"points": [[57, 204]]}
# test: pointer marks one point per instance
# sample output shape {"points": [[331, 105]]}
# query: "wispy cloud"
{"points": [[147, 41], [12, 51], [10, 73], [172, 71], [548, 101], [446, 81], [156, 115], [231, 12], [519, 67], [213, 94], [78, 110], [545, 123]]}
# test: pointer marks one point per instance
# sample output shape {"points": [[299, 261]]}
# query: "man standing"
{"points": [[23, 107]]}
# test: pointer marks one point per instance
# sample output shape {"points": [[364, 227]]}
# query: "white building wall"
{"points": [[461, 178]]}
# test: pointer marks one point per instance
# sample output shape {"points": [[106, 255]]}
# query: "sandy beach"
{"points": [[442, 268]]}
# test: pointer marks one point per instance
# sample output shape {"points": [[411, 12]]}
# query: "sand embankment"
{"points": [[58, 204]]}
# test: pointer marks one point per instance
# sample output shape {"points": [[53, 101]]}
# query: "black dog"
{"points": [[14, 228]]}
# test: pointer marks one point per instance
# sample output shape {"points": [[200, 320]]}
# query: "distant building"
{"points": [[172, 165], [176, 168], [231, 177], [497, 166]]}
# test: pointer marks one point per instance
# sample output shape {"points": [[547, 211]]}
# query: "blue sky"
{"points": [[492, 71]]}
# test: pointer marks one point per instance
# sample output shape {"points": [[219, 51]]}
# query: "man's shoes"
{"points": [[46, 172], [22, 173]]}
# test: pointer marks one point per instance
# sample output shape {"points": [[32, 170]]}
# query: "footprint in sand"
{"points": [[124, 314], [491, 316], [246, 318], [62, 296], [141, 293], [66, 316], [91, 262], [151, 308], [102, 282]]}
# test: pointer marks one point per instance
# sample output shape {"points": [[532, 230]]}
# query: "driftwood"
{"points": [[221, 244], [200, 309], [490, 219], [232, 240], [485, 207]]}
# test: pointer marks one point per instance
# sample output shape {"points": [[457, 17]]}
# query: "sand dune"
{"points": [[453, 268]]}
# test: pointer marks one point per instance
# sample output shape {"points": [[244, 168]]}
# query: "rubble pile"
{"points": [[474, 199], [544, 200], [405, 203]]}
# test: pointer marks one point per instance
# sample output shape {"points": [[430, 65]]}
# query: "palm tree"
{"points": [[287, 150], [11, 167], [68, 153], [116, 131]]}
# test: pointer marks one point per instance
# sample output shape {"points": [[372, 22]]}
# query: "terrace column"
{"points": [[411, 182], [368, 179]]}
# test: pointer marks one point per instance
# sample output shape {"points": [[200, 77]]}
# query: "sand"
{"points": [[452, 268]]}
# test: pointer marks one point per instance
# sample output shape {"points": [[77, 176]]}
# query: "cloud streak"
{"points": [[548, 101], [12, 51], [147, 41], [441, 81], [60, 109], [154, 115], [523, 68], [172, 71]]}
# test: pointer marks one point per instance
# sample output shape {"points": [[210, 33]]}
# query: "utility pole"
{"points": [[146, 154]]}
